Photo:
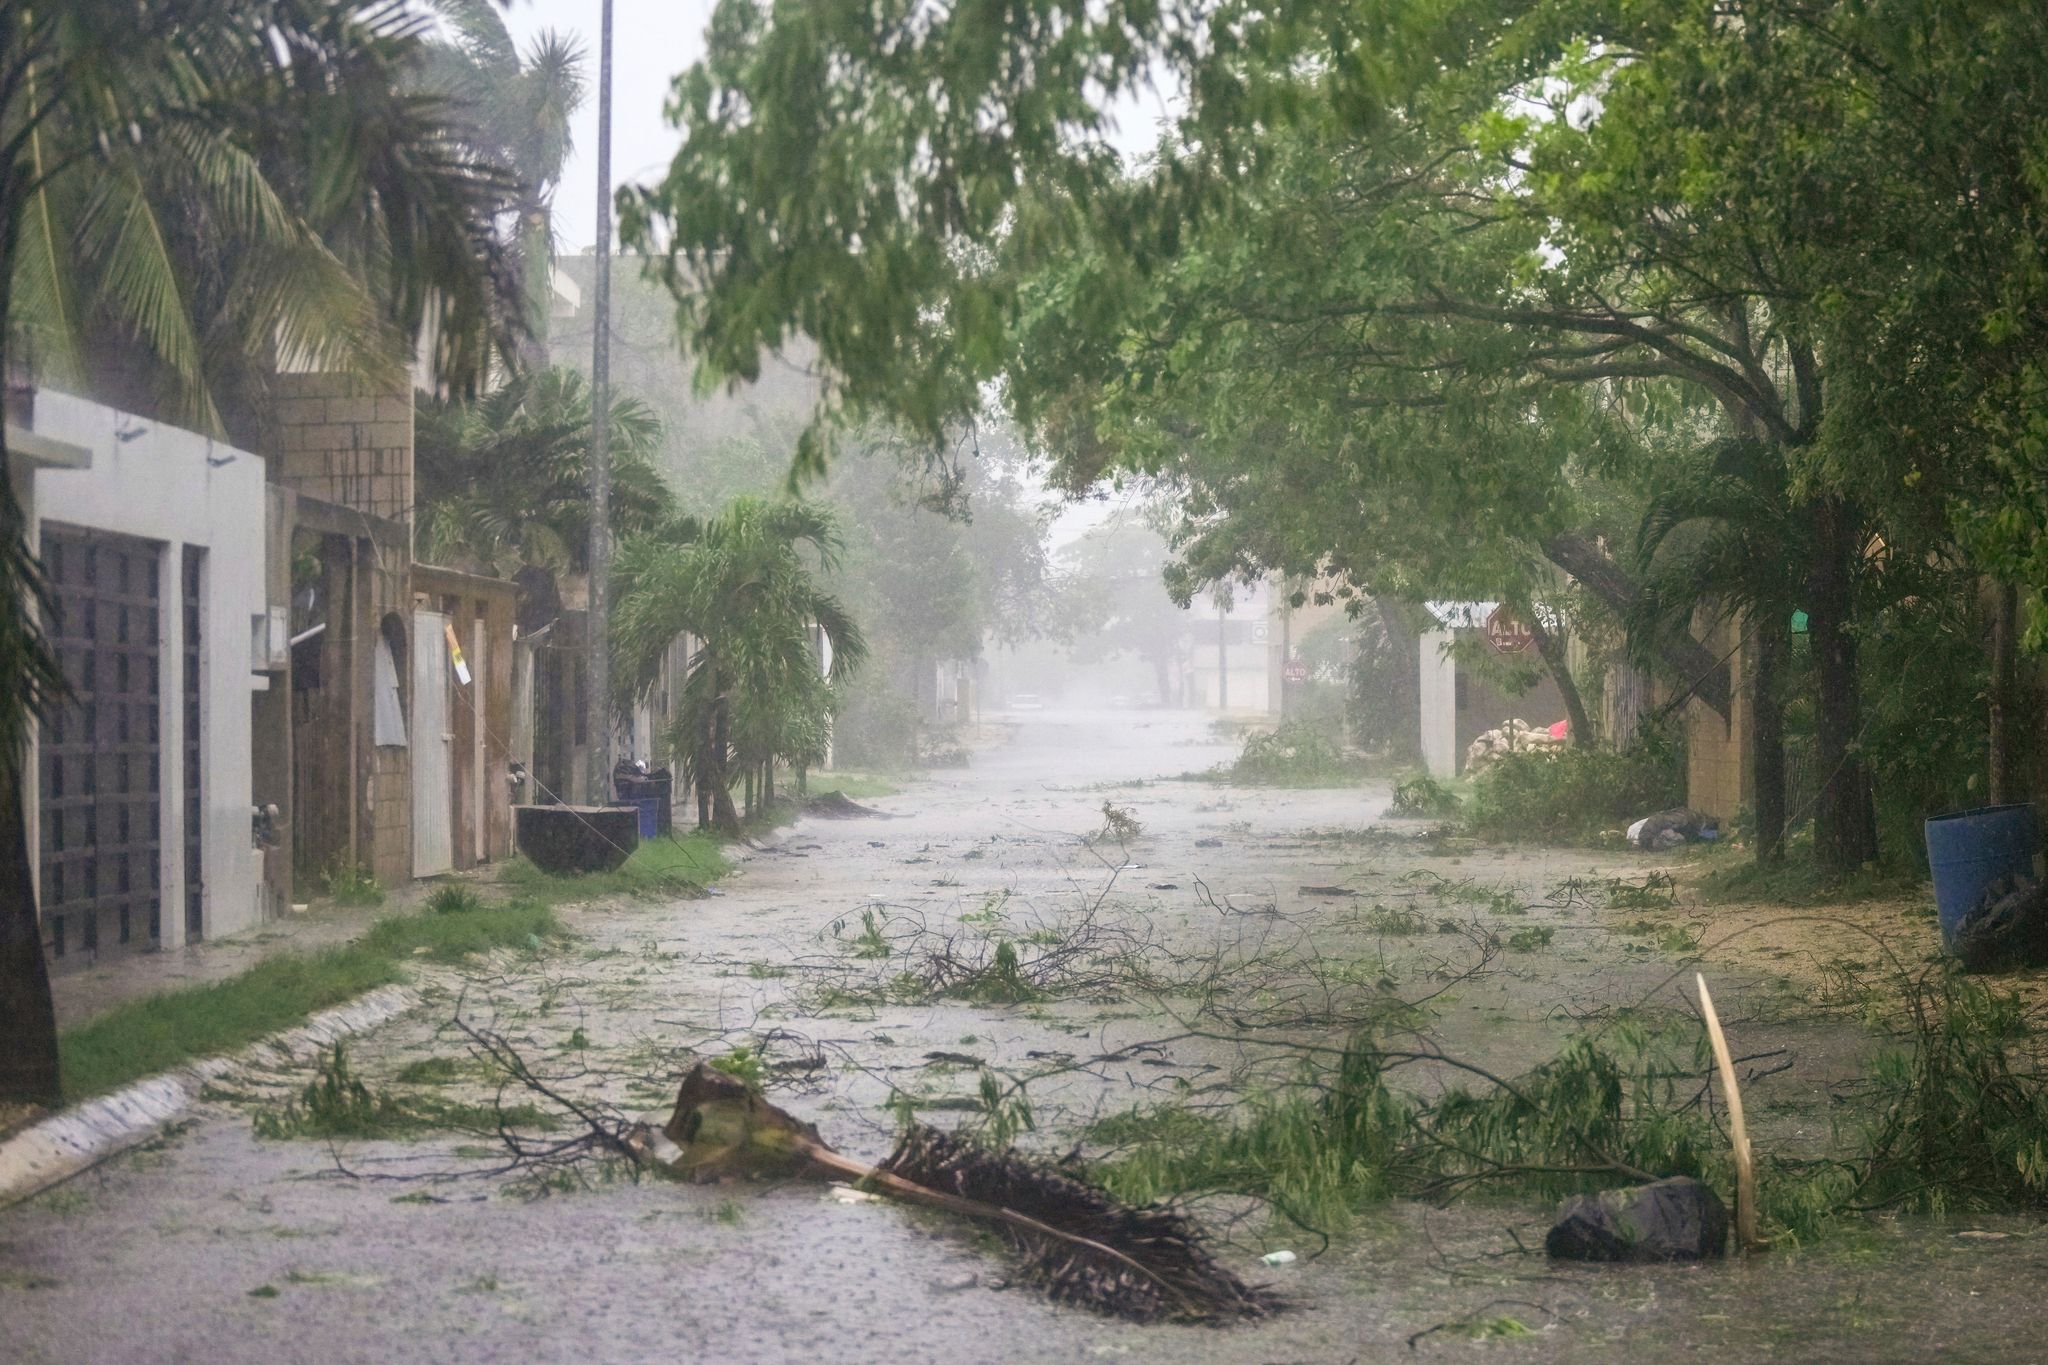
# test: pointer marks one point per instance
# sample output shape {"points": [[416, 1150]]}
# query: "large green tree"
{"points": [[1406, 275]]}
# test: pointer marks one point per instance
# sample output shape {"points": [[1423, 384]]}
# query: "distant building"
{"points": [[1459, 703]]}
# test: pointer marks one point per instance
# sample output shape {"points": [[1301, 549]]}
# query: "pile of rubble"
{"points": [[1511, 737]]}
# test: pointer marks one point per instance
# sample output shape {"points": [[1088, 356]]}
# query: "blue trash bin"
{"points": [[1970, 849], [650, 816]]}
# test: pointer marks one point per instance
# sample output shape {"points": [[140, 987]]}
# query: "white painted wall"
{"points": [[1439, 708], [163, 483]]}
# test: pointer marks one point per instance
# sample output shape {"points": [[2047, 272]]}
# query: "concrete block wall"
{"points": [[388, 797], [340, 440], [1717, 775]]}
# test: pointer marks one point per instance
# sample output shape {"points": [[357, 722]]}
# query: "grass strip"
{"points": [[659, 867], [158, 1032]]}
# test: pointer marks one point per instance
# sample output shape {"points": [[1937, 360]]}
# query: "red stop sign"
{"points": [[1507, 634]]}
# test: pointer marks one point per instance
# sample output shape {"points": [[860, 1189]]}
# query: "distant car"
{"points": [[1026, 701]]}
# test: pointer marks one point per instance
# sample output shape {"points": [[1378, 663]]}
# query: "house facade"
{"points": [[153, 540]]}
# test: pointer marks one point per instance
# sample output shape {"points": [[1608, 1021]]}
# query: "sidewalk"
{"points": [[84, 994]]}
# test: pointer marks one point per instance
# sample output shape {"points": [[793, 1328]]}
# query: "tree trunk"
{"points": [[1694, 667], [28, 1021], [700, 772], [724, 818], [536, 266], [1767, 739], [1552, 648], [2004, 698], [1844, 833], [1404, 698], [768, 783]]}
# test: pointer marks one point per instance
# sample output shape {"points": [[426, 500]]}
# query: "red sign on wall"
{"points": [[1507, 634]]}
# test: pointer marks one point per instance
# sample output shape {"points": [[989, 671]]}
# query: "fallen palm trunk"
{"points": [[1073, 1240]]}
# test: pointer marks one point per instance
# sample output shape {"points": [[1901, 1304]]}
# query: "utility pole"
{"points": [[598, 719], [1222, 656]]}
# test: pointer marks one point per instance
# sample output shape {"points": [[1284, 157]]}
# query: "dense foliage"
{"points": [[1611, 311], [1575, 794]]}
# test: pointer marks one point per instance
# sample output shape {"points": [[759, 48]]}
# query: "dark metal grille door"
{"points": [[99, 754], [194, 573]]}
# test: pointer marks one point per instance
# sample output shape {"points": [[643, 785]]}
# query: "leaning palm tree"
{"points": [[756, 692], [197, 189], [515, 108], [502, 482]]}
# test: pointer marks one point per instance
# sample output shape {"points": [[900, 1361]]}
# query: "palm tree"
{"points": [[198, 188], [1722, 533], [755, 693], [502, 483], [516, 110], [182, 268]]}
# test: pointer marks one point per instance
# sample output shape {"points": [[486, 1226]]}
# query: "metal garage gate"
{"points": [[100, 756]]}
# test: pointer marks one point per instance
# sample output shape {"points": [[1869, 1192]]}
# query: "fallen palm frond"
{"points": [[1073, 1240], [1080, 1245]]}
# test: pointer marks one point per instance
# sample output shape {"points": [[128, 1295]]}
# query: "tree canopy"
{"points": [[1429, 297]]}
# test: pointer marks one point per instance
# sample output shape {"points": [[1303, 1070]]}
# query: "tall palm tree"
{"points": [[515, 108], [502, 482], [755, 693], [332, 216]]}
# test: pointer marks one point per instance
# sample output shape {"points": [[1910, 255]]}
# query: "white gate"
{"points": [[433, 741]]}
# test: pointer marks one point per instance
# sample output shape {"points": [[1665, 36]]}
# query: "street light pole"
{"points": [[598, 718], [1222, 656]]}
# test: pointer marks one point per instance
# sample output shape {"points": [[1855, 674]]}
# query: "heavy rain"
{"points": [[1341, 681]]}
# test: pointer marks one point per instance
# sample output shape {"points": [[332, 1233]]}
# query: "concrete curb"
{"points": [[76, 1140]]}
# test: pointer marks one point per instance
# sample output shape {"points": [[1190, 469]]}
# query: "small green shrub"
{"points": [[335, 1103], [1570, 795], [1589, 1118], [1422, 797], [454, 900], [1295, 753], [349, 884], [1000, 982]]}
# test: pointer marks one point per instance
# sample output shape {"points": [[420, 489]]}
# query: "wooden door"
{"points": [[433, 738]]}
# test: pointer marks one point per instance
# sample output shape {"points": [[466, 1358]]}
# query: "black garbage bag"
{"points": [[1670, 828], [1671, 1220], [2007, 930]]}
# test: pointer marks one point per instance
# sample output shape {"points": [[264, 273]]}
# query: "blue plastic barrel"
{"points": [[650, 815], [1970, 849]]}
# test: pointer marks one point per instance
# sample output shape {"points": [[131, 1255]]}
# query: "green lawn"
{"points": [[679, 866], [158, 1032]]}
